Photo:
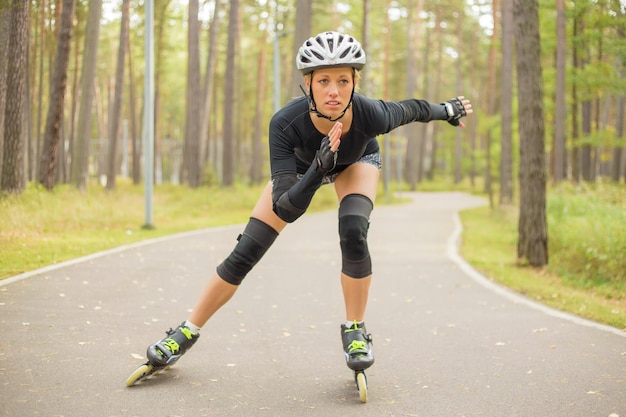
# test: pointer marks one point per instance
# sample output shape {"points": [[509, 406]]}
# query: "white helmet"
{"points": [[330, 49]]}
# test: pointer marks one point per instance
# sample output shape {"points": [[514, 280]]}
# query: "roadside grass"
{"points": [[40, 228], [586, 274], [586, 231]]}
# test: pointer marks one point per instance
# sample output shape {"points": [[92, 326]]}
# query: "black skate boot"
{"points": [[356, 346], [168, 350]]}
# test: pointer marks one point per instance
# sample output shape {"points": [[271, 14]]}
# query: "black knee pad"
{"points": [[354, 213], [252, 244]]}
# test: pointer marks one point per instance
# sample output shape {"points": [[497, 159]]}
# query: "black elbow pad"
{"points": [[285, 210], [287, 190], [281, 205]]}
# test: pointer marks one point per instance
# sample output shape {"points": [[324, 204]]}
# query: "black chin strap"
{"points": [[313, 106]]}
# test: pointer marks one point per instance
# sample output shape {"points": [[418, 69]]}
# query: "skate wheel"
{"points": [[140, 373], [361, 384]]}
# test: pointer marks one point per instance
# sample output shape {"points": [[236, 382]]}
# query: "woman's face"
{"points": [[331, 89]]}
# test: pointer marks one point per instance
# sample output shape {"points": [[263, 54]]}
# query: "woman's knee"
{"points": [[252, 244], [354, 212]]}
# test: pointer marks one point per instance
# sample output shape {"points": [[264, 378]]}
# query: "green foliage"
{"points": [[596, 80], [600, 138], [589, 245]]}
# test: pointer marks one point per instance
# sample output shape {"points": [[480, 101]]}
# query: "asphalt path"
{"points": [[448, 342]]}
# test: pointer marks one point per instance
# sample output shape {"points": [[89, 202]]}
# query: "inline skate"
{"points": [[164, 353], [357, 349]]}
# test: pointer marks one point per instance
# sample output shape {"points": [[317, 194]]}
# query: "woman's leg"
{"points": [[218, 291], [361, 179]]}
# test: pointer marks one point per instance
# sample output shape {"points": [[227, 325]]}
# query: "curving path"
{"points": [[448, 342]]}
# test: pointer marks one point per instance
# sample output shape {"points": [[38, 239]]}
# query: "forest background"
{"points": [[72, 79]]}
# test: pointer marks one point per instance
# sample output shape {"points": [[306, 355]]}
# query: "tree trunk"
{"points": [[80, 158], [134, 137], [47, 169], [13, 171], [618, 151], [490, 99], [5, 25], [116, 107], [304, 14], [559, 117], [474, 76], [532, 228], [256, 165], [619, 127], [426, 128], [41, 57], [161, 19], [364, 82], [209, 84], [458, 140], [191, 149], [586, 113], [506, 106], [439, 45], [64, 163], [228, 178], [575, 157], [596, 148], [585, 152], [412, 130]]}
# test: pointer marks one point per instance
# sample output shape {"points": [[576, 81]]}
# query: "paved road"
{"points": [[448, 343]]}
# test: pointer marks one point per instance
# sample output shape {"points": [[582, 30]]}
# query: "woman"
{"points": [[328, 136]]}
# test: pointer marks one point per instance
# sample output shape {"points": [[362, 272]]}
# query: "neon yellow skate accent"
{"points": [[355, 345], [188, 334], [171, 345], [354, 328]]}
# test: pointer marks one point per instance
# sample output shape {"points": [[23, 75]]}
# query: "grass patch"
{"points": [[586, 230], [589, 250], [39, 228], [577, 280]]}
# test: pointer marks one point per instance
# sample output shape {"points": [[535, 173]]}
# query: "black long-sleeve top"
{"points": [[294, 140]]}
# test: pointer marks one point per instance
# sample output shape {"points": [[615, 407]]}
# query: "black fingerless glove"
{"points": [[455, 110], [326, 159]]}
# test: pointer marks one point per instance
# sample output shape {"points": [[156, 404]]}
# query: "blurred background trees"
{"points": [[222, 67]]}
